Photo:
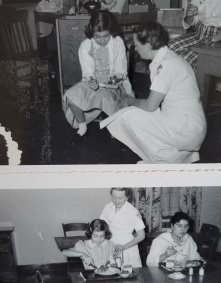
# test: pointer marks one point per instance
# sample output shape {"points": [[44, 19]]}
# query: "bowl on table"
{"points": [[124, 274]]}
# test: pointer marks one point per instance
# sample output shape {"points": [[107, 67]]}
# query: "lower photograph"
{"points": [[111, 234]]}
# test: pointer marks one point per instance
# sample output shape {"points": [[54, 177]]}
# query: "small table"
{"points": [[157, 275], [208, 64]]}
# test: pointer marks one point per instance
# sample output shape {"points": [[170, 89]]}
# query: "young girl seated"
{"points": [[102, 57], [97, 250]]}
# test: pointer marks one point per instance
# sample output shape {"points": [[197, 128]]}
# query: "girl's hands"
{"points": [[170, 251], [88, 260], [123, 102], [93, 84], [191, 10]]}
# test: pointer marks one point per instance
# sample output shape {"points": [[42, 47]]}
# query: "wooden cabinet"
{"points": [[7, 259], [70, 34]]}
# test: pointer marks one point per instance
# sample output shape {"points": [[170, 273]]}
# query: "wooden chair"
{"points": [[19, 56], [68, 229], [207, 240], [211, 236]]}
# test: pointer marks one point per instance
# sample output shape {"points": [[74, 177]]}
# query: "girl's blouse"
{"points": [[209, 13], [113, 56], [187, 250], [100, 254]]}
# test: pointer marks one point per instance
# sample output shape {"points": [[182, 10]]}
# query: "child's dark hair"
{"points": [[98, 225], [154, 33], [180, 216], [102, 20]]}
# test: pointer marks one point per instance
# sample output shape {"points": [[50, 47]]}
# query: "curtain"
{"points": [[158, 203]]}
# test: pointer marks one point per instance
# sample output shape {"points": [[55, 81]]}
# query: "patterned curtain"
{"points": [[157, 203]]}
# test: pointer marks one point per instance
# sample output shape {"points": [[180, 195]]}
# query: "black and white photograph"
{"points": [[110, 82], [110, 234]]}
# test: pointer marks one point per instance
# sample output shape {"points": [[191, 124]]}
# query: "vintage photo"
{"points": [[142, 233], [109, 82]]}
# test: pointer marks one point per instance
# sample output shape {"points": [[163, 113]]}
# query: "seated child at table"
{"points": [[97, 250], [176, 244]]}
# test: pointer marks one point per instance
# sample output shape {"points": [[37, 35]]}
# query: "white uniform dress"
{"points": [[122, 224], [176, 130], [100, 63], [187, 249]]}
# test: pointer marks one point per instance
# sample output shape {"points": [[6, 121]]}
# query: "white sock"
{"points": [[82, 128]]}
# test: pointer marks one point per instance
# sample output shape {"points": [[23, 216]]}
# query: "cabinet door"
{"points": [[71, 34]]}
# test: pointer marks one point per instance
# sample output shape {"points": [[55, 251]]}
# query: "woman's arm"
{"points": [[140, 236], [150, 104]]}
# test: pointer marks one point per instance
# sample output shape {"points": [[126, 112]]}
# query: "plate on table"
{"points": [[92, 276], [110, 271], [176, 276]]}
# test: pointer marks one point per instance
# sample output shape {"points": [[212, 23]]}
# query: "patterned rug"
{"points": [[24, 110]]}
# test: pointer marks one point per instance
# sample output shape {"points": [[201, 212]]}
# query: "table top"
{"points": [[158, 275], [213, 50]]}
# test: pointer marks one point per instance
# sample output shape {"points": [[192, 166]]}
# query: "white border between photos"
{"points": [[101, 176]]}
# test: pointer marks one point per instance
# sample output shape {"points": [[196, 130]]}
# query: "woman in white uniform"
{"points": [[169, 126], [126, 226]]}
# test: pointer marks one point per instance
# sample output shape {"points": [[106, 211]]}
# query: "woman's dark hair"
{"points": [[98, 225], [126, 190], [180, 216], [154, 33], [102, 20]]}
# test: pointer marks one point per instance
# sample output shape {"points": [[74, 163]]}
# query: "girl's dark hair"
{"points": [[102, 20], [126, 190], [98, 225], [154, 33], [180, 216]]}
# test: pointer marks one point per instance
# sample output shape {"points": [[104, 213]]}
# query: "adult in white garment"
{"points": [[169, 126], [126, 226]]}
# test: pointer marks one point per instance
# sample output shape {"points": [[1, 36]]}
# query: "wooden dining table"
{"points": [[154, 274]]}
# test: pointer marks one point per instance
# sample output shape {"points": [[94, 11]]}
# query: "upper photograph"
{"points": [[110, 82]]}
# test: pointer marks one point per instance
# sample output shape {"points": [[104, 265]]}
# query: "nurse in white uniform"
{"points": [[123, 220], [169, 126]]}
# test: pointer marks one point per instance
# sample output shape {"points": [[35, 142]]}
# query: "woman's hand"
{"points": [[93, 84], [191, 10], [119, 248], [123, 102], [170, 251]]}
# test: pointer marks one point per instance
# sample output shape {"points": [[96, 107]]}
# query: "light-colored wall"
{"points": [[37, 215], [162, 3]]}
